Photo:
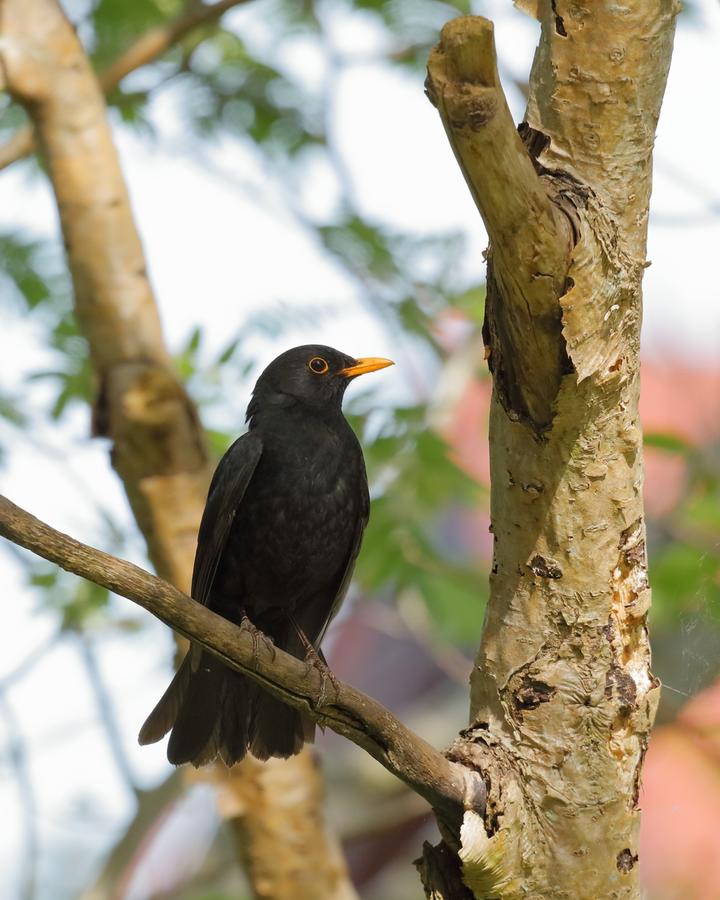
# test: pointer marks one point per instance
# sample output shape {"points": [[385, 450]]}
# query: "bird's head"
{"points": [[311, 375]]}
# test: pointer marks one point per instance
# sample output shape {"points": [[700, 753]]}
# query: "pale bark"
{"points": [[270, 810], [158, 446], [530, 238], [562, 695]]}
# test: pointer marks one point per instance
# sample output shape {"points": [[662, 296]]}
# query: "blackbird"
{"points": [[277, 545]]}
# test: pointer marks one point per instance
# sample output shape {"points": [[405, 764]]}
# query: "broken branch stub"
{"points": [[530, 236]]}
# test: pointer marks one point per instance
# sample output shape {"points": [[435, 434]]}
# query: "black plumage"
{"points": [[277, 544]]}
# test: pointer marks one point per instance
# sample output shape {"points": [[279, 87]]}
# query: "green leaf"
{"points": [[19, 263], [684, 578], [671, 443], [10, 410], [117, 24], [456, 601], [228, 353]]}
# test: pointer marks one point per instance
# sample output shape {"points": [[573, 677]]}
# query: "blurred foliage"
{"points": [[227, 85], [684, 549], [76, 604], [233, 83], [38, 289]]}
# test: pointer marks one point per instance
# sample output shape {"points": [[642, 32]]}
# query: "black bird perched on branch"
{"points": [[277, 545]]}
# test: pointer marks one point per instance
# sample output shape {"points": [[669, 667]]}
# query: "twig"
{"points": [[25, 666], [105, 711], [147, 47], [17, 754], [445, 785], [117, 870]]}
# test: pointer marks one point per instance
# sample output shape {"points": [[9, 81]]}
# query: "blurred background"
{"points": [[292, 184]]}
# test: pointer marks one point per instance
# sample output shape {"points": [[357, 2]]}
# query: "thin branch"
{"points": [[146, 49], [28, 663], [17, 147], [106, 712], [530, 237], [445, 785], [119, 865], [17, 753], [159, 40]]}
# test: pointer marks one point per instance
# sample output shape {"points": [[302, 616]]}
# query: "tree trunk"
{"points": [[158, 446], [562, 696]]}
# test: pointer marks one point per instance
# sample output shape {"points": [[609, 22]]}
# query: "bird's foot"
{"points": [[257, 636], [315, 659]]}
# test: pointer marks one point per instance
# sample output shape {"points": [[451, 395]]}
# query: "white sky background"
{"points": [[214, 257]]}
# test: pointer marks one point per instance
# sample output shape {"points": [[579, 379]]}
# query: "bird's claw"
{"points": [[257, 636], [314, 660]]}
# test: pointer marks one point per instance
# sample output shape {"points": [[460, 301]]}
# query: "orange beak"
{"points": [[367, 364]]}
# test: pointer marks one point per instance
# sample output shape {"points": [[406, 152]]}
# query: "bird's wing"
{"points": [[227, 489], [362, 520]]}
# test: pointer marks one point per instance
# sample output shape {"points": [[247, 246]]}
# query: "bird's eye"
{"points": [[318, 365]]}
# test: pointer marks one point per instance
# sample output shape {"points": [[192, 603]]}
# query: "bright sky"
{"points": [[214, 257]]}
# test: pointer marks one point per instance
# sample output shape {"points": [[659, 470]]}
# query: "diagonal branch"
{"points": [[530, 237], [446, 785], [147, 48]]}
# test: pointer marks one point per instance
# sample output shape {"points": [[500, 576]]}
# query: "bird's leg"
{"points": [[257, 636], [316, 658]]}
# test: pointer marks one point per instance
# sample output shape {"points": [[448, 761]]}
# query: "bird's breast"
{"points": [[294, 530]]}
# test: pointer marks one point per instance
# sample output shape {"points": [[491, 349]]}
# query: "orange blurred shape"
{"points": [[680, 801]]}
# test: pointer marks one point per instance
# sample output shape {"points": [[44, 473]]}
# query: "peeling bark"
{"points": [[562, 695]]}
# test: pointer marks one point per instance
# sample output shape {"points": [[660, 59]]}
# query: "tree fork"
{"points": [[562, 695]]}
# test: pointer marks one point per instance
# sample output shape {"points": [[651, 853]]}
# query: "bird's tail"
{"points": [[214, 711]]}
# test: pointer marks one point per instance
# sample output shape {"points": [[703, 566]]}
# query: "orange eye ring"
{"points": [[318, 365]]}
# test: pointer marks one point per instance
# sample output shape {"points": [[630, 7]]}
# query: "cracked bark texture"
{"points": [[158, 446], [562, 694]]}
